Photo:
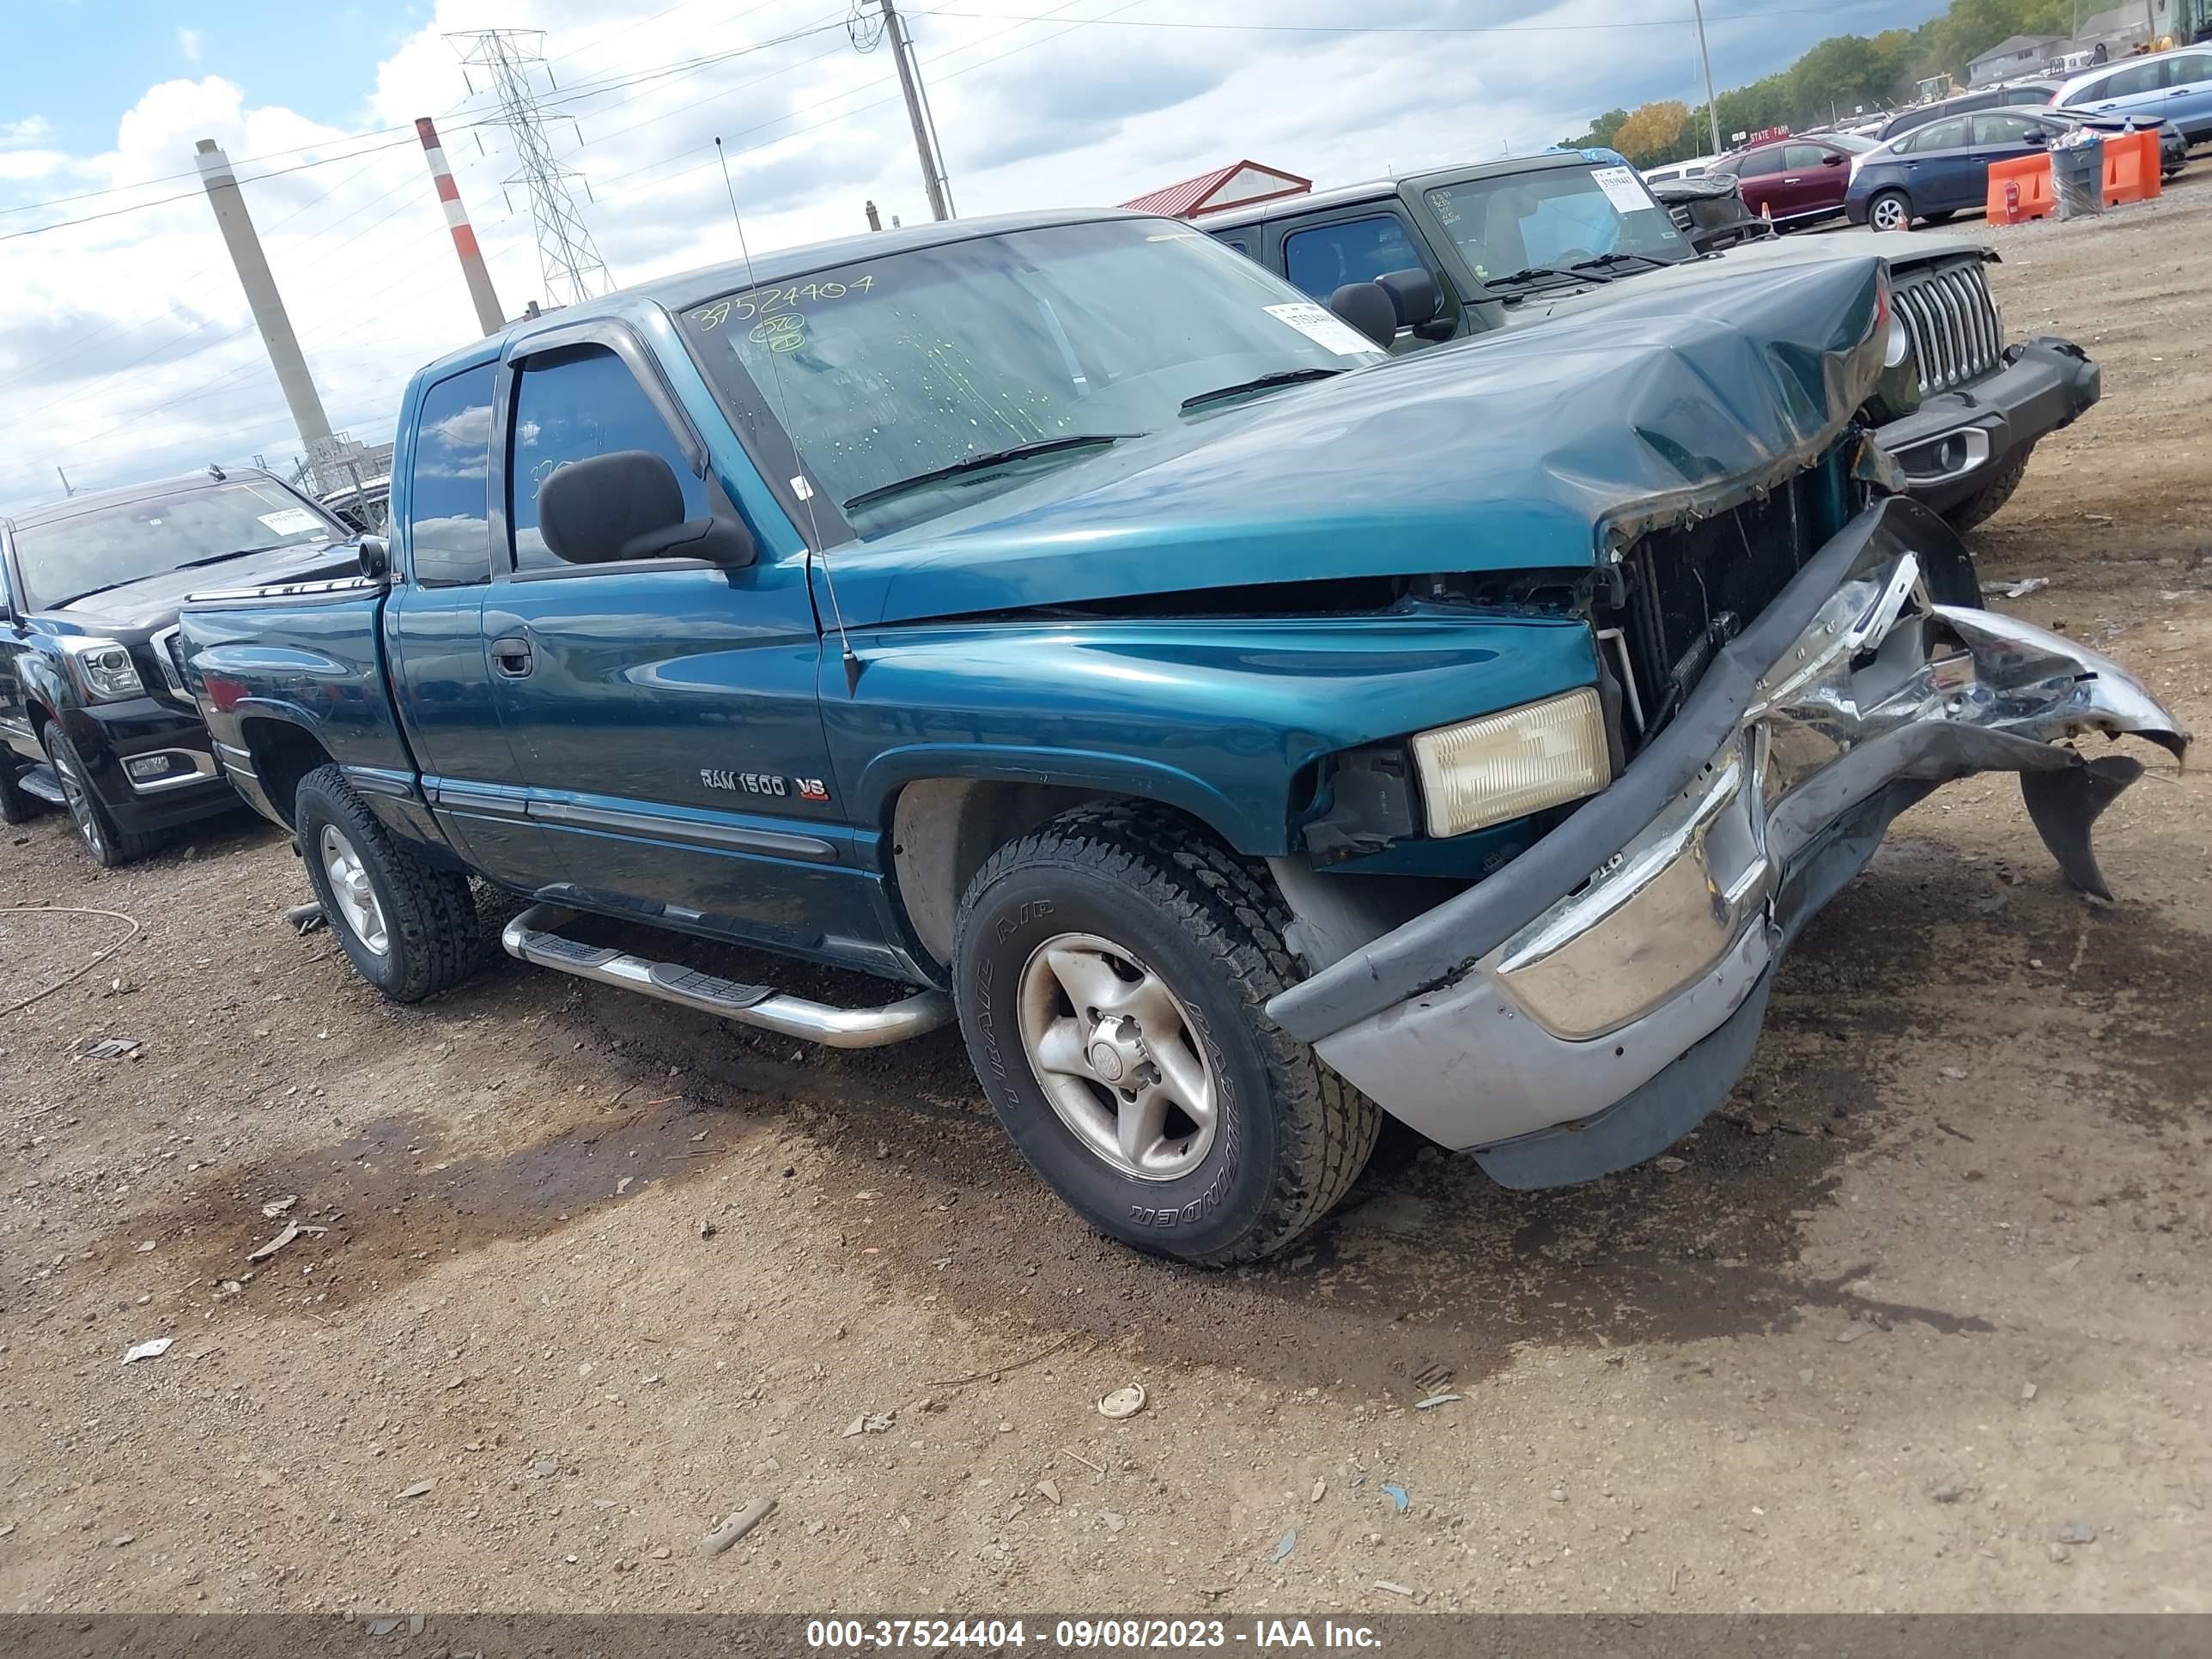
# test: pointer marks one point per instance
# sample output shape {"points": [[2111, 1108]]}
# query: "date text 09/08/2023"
{"points": [[1090, 1635]]}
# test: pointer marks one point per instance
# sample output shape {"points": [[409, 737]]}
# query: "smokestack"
{"points": [[465, 236], [268, 306]]}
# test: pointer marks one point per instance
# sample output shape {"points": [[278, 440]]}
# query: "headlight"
{"points": [[105, 670], [1898, 345], [1505, 766]]}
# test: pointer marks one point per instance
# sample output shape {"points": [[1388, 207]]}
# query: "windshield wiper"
{"points": [[989, 458], [105, 587], [1543, 273], [1605, 261], [1281, 377], [236, 553]]}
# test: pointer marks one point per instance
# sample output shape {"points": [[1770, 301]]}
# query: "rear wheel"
{"points": [[1890, 210], [1112, 971], [15, 806], [408, 928], [112, 848]]}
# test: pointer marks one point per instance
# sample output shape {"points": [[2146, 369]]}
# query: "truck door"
{"points": [[665, 709], [434, 633]]}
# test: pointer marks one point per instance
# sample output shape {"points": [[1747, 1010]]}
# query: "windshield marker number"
{"points": [[766, 302]]}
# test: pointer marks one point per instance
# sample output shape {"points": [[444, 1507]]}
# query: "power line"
{"points": [[1684, 21]]}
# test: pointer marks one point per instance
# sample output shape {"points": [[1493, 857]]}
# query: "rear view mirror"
{"points": [[1369, 309], [627, 505]]}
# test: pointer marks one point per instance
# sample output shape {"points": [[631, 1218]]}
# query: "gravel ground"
{"points": [[1917, 1322]]}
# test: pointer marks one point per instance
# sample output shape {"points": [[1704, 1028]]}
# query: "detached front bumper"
{"points": [[1563, 1024], [1955, 443]]}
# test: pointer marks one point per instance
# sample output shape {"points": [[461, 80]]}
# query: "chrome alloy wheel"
{"points": [[1890, 213], [78, 793], [1117, 1056], [356, 899]]}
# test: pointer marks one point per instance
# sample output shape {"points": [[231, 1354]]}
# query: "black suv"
{"points": [[94, 712], [2014, 93]]}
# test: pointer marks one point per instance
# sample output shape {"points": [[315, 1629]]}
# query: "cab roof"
{"points": [[1379, 190], [95, 501], [691, 288]]}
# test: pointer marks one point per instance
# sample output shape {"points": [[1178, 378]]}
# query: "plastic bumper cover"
{"points": [[187, 786], [1951, 445], [1572, 1024]]}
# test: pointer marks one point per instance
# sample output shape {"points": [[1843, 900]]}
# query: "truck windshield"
{"points": [[915, 383], [1555, 220], [112, 547]]}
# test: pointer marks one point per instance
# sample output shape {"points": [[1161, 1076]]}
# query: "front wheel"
{"points": [[1891, 210], [15, 806], [111, 846], [408, 928], [1997, 490], [1112, 971]]}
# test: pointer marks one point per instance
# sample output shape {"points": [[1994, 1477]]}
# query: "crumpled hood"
{"points": [[1527, 449], [152, 602]]}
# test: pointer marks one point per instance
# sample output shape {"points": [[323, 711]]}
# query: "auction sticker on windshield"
{"points": [[1623, 188], [1324, 327], [290, 521]]}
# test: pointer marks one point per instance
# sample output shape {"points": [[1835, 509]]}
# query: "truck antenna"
{"points": [[852, 663]]}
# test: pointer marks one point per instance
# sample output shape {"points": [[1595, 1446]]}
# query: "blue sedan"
{"points": [[1942, 168]]}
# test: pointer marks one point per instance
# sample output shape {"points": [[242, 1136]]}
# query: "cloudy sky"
{"points": [[126, 350]]}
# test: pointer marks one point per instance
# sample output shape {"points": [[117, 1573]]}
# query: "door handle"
{"points": [[1793, 180], [511, 656]]}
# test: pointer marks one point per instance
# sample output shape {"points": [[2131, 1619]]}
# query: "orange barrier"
{"points": [[2131, 161], [2020, 190]]}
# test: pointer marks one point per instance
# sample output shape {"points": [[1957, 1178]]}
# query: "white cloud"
{"points": [[127, 348], [188, 42]]}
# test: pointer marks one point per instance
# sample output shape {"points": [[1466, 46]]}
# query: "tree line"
{"points": [[1843, 73]]}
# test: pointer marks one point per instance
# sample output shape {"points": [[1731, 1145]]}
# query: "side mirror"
{"points": [[1831, 159], [1413, 296], [2037, 138], [627, 505], [375, 557], [1369, 309]]}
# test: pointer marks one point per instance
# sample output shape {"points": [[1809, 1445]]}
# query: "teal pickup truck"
{"points": [[1239, 733]]}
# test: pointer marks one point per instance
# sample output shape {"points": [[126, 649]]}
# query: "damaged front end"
{"points": [[1590, 1004]]}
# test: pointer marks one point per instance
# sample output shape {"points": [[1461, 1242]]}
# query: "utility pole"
{"points": [[567, 258], [1712, 108], [66, 488], [267, 304], [917, 105], [473, 270]]}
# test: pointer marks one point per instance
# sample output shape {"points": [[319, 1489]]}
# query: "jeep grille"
{"points": [[1958, 334]]}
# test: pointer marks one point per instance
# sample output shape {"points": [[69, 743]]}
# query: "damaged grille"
{"points": [[1685, 592], [1958, 335]]}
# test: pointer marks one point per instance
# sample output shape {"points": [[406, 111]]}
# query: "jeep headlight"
{"points": [[1505, 766], [105, 670]]}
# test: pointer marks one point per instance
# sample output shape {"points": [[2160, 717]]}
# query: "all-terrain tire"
{"points": [[1984, 503], [1292, 1136], [430, 939], [111, 846]]}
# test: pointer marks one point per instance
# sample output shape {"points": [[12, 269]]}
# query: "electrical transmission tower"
{"points": [[567, 258]]}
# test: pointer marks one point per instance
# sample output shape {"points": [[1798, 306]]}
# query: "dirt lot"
{"points": [[597, 1272]]}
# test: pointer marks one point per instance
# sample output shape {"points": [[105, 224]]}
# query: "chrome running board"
{"points": [[533, 936]]}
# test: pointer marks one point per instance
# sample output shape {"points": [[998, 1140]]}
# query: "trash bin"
{"points": [[2077, 177]]}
